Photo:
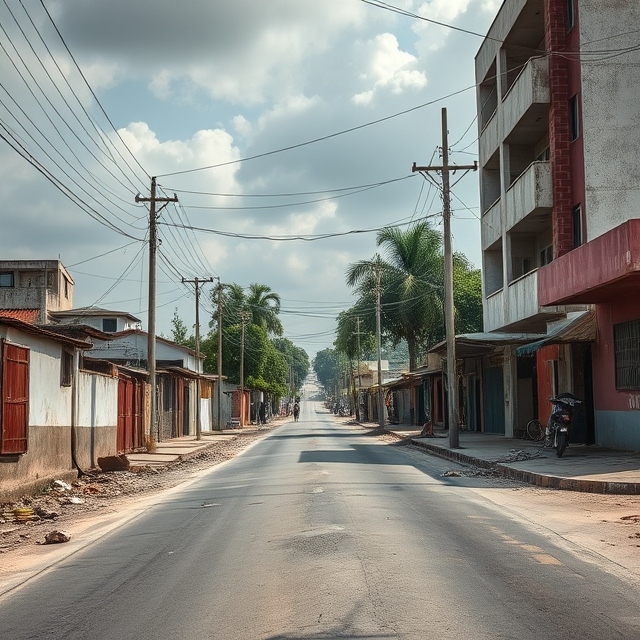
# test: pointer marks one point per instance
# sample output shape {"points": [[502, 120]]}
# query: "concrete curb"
{"points": [[530, 477]]}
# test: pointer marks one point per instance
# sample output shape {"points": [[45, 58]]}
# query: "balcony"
{"points": [[525, 106], [529, 196], [606, 268], [491, 230], [522, 312]]}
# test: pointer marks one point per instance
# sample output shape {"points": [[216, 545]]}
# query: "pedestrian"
{"points": [[262, 413]]}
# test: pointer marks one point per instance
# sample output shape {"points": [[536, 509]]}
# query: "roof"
{"points": [[580, 328], [26, 315], [92, 312], [27, 327], [475, 345], [140, 332], [78, 331]]}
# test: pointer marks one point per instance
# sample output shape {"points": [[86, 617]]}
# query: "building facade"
{"points": [[558, 93], [31, 289]]}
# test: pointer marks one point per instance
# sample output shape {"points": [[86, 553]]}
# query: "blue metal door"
{"points": [[493, 400]]}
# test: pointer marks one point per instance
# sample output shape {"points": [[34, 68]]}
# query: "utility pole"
{"points": [[219, 355], [359, 379], [154, 426], [243, 317], [452, 393], [378, 272], [197, 282]]}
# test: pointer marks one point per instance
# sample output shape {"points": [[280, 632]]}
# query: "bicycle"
{"points": [[535, 430]]}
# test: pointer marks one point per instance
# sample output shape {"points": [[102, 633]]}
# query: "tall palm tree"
{"points": [[412, 284], [259, 302], [263, 305]]}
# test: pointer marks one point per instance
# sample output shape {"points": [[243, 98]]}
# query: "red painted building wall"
{"points": [[546, 363], [606, 396]]}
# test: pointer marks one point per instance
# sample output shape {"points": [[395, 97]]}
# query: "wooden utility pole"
{"points": [[219, 355], [243, 317], [452, 383], [197, 282], [154, 426], [359, 379], [378, 273]]}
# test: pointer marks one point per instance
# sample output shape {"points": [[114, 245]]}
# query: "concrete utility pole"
{"points": [[197, 282], [219, 355], [378, 272], [154, 426], [452, 393]]}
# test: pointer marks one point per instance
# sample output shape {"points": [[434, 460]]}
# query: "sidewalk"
{"points": [[183, 448], [582, 468]]}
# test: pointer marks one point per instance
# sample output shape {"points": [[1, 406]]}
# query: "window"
{"points": [[66, 369], [543, 156], [574, 118], [14, 399], [626, 338], [571, 14], [6, 279], [546, 256], [110, 325], [577, 225]]}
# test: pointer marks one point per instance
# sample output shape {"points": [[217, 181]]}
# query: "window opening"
{"points": [[626, 338]]}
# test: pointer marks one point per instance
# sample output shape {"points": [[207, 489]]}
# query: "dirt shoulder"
{"points": [[98, 499]]}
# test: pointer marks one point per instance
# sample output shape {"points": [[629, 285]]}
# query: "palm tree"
{"points": [[411, 283], [260, 304], [263, 305]]}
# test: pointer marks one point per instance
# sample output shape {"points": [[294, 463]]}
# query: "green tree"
{"points": [[412, 287], [264, 307], [356, 328], [411, 283], [296, 357], [180, 333], [326, 366]]}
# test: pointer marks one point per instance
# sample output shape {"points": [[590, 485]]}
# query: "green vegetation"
{"points": [[271, 363]]}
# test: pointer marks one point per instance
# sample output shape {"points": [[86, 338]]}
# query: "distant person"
{"points": [[262, 412], [296, 412]]}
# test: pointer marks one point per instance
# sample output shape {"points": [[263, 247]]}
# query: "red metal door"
{"points": [[15, 399], [125, 414]]}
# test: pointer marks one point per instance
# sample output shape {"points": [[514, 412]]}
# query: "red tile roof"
{"points": [[26, 315]]}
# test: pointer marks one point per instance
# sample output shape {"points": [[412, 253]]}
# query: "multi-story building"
{"points": [[31, 289], [558, 113]]}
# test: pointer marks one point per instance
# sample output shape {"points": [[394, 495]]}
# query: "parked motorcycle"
{"points": [[558, 431]]}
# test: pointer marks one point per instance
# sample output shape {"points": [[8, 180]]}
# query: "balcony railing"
{"points": [[532, 191]]}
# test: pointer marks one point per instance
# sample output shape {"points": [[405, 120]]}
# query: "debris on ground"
{"points": [[57, 537], [518, 455], [30, 517]]}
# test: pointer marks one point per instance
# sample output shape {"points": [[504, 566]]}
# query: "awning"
{"points": [[581, 328], [476, 345]]}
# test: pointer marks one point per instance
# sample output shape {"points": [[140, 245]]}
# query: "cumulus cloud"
{"points": [[217, 99], [385, 66]]}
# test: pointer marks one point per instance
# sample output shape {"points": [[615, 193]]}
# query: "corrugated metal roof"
{"points": [[581, 328]]}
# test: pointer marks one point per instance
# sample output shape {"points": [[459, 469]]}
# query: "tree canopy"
{"points": [[411, 281]]}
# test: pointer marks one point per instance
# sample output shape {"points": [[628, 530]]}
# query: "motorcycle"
{"points": [[558, 431]]}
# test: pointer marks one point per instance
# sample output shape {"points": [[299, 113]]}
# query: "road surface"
{"points": [[323, 531]]}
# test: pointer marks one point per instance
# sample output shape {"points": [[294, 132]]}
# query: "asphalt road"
{"points": [[322, 531]]}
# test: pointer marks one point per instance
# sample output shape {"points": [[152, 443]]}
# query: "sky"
{"points": [[286, 129]]}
